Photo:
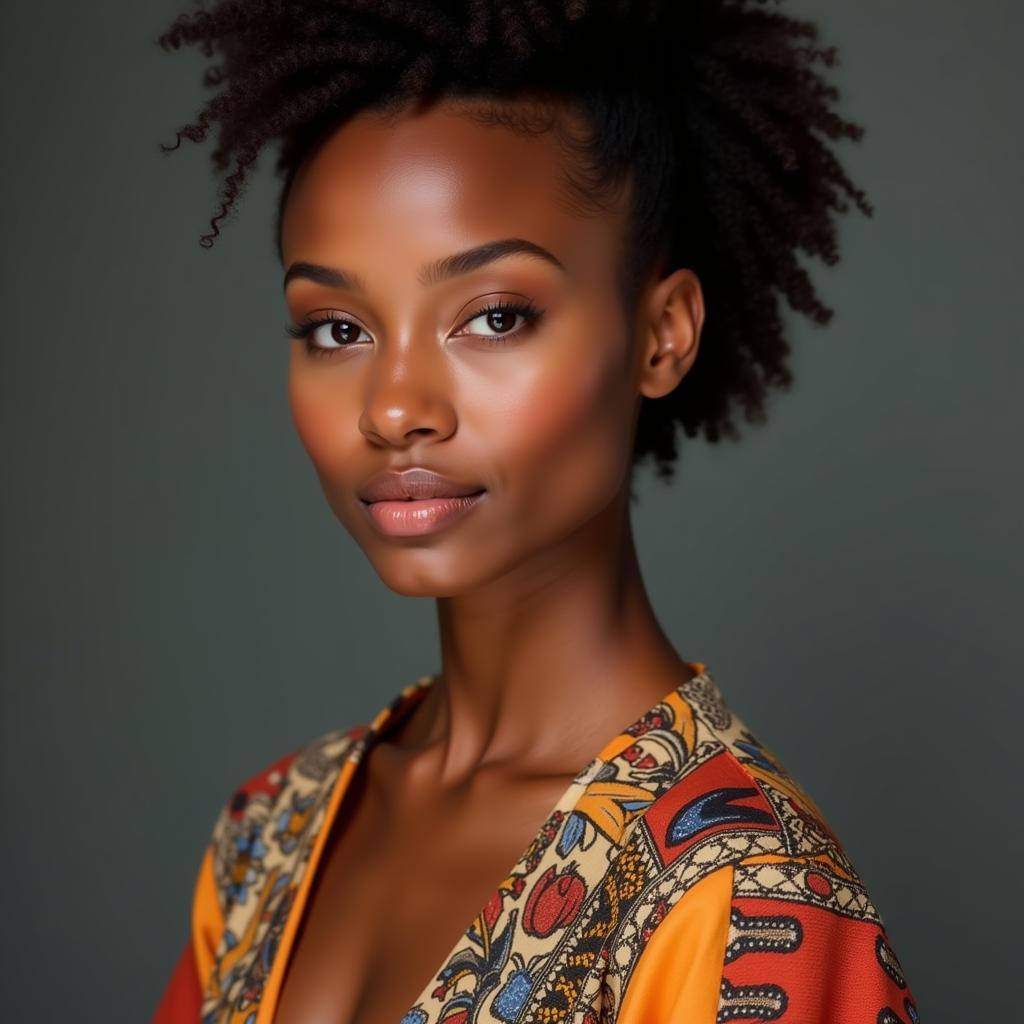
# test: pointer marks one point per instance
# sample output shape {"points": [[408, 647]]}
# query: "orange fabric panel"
{"points": [[678, 975], [207, 919], [182, 999], [272, 989]]}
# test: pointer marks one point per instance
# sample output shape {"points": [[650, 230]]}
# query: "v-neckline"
{"points": [[393, 712]]}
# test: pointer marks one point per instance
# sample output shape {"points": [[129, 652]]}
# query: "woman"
{"points": [[500, 228]]}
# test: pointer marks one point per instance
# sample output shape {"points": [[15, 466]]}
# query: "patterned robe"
{"points": [[683, 876]]}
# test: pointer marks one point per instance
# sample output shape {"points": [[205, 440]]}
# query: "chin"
{"points": [[421, 573]]}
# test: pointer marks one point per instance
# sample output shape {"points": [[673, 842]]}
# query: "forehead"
{"points": [[428, 180]]}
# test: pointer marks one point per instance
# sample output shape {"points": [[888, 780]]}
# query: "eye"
{"points": [[326, 335], [499, 318]]}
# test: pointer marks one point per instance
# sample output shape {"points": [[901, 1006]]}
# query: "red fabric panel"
{"points": [[182, 999], [792, 962]]}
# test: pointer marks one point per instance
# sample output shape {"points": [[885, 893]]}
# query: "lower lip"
{"points": [[413, 518]]}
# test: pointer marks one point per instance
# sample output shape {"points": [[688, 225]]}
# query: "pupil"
{"points": [[501, 315]]}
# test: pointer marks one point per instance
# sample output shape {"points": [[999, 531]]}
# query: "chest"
{"points": [[399, 882]]}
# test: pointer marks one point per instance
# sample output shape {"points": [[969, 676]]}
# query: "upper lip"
{"points": [[413, 483]]}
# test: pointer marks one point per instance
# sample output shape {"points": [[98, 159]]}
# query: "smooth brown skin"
{"points": [[549, 645]]}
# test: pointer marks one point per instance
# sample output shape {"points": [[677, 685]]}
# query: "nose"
{"points": [[407, 396]]}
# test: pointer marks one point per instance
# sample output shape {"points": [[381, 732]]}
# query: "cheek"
{"points": [[571, 442], [322, 419]]}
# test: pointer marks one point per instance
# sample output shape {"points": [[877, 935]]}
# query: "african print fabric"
{"points": [[683, 876]]}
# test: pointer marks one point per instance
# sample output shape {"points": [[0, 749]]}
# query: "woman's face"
{"points": [[516, 376]]}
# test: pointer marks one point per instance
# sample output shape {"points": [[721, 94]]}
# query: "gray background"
{"points": [[180, 607]]}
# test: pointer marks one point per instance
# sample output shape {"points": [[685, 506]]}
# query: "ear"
{"points": [[672, 318]]}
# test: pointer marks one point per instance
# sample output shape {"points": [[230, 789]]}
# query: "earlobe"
{"points": [[675, 319]]}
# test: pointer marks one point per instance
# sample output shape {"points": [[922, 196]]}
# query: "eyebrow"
{"points": [[432, 273]]}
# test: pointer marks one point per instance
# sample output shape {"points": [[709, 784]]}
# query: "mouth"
{"points": [[407, 517], [421, 500]]}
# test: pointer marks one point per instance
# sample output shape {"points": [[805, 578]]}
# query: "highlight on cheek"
{"points": [[327, 433]]}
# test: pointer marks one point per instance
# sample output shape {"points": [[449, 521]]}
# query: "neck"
{"points": [[545, 665]]}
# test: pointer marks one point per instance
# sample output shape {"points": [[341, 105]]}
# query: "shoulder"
{"points": [[747, 886], [734, 782], [723, 799], [734, 804], [286, 789], [269, 808], [313, 761]]}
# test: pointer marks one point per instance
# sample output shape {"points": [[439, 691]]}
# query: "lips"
{"points": [[414, 484]]}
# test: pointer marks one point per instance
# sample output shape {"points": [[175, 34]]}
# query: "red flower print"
{"points": [[554, 901]]}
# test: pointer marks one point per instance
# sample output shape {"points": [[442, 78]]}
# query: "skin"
{"points": [[549, 644]]}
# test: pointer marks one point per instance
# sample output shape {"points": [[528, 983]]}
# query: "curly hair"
{"points": [[713, 110]]}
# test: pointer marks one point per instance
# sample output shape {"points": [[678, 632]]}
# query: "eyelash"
{"points": [[527, 310]]}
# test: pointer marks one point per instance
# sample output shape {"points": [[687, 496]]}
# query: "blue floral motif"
{"points": [[512, 995], [246, 869], [757, 755], [572, 833]]}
